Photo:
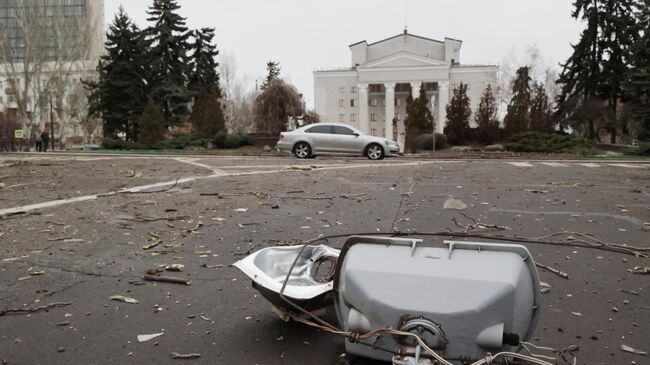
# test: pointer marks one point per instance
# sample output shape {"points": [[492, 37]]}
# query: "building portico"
{"points": [[371, 95]]}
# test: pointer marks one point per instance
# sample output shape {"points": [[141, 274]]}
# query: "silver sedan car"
{"points": [[335, 139]]}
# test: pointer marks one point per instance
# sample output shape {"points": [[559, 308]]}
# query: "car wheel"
{"points": [[375, 152], [302, 150]]}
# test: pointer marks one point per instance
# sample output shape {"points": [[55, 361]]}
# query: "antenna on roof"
{"points": [[406, 17]]}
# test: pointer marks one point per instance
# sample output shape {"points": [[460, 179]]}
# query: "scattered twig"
{"points": [[553, 270], [46, 308], [154, 275], [176, 356], [152, 244]]}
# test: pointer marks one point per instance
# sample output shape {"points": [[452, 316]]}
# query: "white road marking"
{"points": [[217, 173], [554, 164], [591, 165], [192, 161], [627, 165], [521, 164]]}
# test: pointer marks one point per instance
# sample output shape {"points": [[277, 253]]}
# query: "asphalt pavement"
{"points": [[74, 230]]}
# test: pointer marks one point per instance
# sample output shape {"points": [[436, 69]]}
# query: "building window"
{"points": [[12, 99], [373, 132], [352, 103], [353, 89], [376, 88], [398, 102], [341, 118], [373, 102], [341, 90], [353, 117], [342, 103], [373, 117]]}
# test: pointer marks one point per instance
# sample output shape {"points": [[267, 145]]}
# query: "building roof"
{"points": [[403, 34]]}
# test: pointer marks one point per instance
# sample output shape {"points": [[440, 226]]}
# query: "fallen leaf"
{"points": [[121, 298]]}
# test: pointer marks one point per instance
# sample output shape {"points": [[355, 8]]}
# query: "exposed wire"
{"points": [[489, 359]]}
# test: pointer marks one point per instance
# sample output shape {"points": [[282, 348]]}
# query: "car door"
{"points": [[321, 138], [347, 140]]}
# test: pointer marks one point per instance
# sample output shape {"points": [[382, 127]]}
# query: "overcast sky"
{"points": [[304, 35]]}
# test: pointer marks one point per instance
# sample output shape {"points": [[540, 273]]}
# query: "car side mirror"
{"points": [[356, 134]]}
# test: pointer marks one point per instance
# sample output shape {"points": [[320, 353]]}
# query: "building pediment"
{"points": [[404, 59]]}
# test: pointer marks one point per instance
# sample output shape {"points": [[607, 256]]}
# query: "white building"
{"points": [[67, 39], [371, 94]]}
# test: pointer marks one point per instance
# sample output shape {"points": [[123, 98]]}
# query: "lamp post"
{"points": [[51, 123]]}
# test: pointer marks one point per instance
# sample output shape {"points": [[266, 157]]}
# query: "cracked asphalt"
{"points": [[210, 211]]}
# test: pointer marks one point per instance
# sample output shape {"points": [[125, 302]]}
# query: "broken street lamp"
{"points": [[413, 305]]}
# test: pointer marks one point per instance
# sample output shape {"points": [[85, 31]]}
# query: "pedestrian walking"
{"points": [[39, 141], [45, 139]]}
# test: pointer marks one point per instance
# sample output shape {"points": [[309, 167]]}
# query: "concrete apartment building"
{"points": [[67, 41], [371, 94]]}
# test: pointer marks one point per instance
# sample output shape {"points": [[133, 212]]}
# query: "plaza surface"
{"points": [[74, 229]]}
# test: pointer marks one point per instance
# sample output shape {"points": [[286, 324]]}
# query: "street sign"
{"points": [[19, 134]]}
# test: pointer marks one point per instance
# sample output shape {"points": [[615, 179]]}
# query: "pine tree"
{"points": [[458, 114], [486, 116], [207, 114], [152, 125], [518, 118], [637, 84], [119, 94], [273, 73], [419, 119], [168, 57], [204, 76], [541, 115], [596, 68]]}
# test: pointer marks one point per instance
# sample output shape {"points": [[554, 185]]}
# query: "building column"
{"points": [[415, 89], [364, 117], [390, 109], [443, 99]]}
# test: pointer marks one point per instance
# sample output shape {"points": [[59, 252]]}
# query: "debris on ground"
{"points": [[545, 287], [554, 271], [145, 338], [173, 267], [632, 350], [154, 241], [122, 298], [155, 275], [46, 308], [300, 168], [455, 204], [537, 191], [241, 210], [127, 173], [176, 356], [640, 270]]}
